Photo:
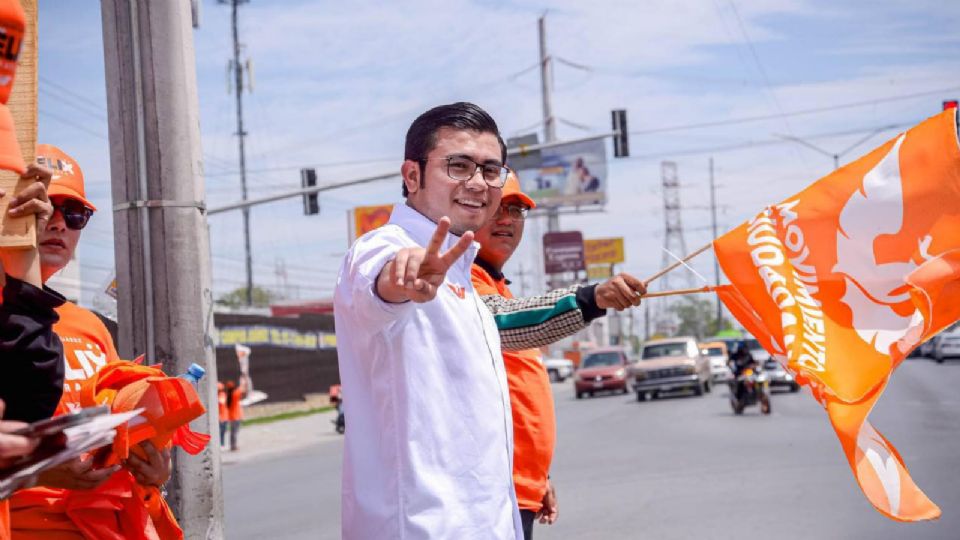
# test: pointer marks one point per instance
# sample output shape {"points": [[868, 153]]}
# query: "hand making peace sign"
{"points": [[415, 273]]}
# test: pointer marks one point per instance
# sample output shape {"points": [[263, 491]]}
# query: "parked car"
{"points": [[947, 346], [670, 364], [778, 376], [928, 347], [602, 370], [718, 355], [559, 369]]}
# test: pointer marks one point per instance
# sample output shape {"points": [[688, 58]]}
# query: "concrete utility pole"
{"points": [[713, 225], [237, 72], [549, 125], [165, 306]]}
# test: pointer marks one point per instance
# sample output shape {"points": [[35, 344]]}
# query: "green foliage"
{"points": [[698, 318], [238, 297]]}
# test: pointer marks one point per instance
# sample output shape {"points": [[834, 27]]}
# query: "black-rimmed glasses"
{"points": [[462, 169]]}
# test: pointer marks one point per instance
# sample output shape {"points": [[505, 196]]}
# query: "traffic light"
{"points": [[311, 204], [621, 146], [949, 104]]}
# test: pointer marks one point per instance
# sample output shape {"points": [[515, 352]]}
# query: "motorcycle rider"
{"points": [[740, 360]]}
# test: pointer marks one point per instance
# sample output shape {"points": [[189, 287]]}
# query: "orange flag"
{"points": [[841, 281]]}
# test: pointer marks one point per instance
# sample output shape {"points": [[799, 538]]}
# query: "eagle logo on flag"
{"points": [[841, 281]]}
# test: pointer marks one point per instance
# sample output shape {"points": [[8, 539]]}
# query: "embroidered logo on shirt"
{"points": [[458, 290]]}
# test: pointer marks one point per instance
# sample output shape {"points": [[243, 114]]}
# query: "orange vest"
{"points": [[4, 520], [534, 419]]}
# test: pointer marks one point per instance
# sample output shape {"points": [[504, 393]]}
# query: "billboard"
{"points": [[573, 174], [563, 252], [603, 250], [363, 219], [599, 271]]}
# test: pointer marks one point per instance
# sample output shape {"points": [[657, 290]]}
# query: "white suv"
{"points": [[559, 369]]}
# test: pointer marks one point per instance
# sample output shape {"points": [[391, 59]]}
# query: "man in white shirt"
{"points": [[429, 449]]}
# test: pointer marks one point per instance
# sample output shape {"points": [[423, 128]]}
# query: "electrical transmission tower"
{"points": [[673, 242]]}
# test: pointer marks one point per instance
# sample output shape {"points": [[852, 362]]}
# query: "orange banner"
{"points": [[841, 281]]}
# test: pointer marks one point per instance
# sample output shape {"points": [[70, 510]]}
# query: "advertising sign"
{"points": [[572, 174], [563, 252], [364, 219], [232, 336], [603, 250], [599, 271]]}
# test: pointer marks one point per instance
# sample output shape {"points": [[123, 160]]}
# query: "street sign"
{"points": [[603, 250], [599, 271], [563, 252]]}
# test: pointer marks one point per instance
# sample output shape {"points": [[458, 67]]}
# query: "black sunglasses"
{"points": [[75, 214]]}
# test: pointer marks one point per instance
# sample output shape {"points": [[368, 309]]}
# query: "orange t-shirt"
{"points": [[222, 412], [87, 347], [534, 419], [235, 411]]}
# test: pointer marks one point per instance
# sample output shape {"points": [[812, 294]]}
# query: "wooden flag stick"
{"points": [[679, 292], [677, 264]]}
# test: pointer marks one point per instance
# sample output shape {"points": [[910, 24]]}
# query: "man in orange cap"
{"points": [[531, 399], [87, 348]]}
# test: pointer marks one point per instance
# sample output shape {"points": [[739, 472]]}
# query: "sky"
{"points": [[335, 86]]}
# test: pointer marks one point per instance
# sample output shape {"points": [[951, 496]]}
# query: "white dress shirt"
{"points": [[429, 446]]}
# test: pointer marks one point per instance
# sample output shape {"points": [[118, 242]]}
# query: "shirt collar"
{"points": [[490, 269], [421, 228]]}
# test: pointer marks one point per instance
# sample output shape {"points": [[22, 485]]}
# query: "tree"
{"points": [[238, 297], [697, 318]]}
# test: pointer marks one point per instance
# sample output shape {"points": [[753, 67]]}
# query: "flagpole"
{"points": [[676, 264], [679, 292]]}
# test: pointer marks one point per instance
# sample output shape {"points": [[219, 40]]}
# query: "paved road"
{"points": [[681, 467]]}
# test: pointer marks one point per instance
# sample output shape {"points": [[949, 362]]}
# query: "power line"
{"points": [[752, 144], [76, 95], [813, 110], [72, 124], [328, 165]]}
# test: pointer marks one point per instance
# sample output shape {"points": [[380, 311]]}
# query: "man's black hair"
{"points": [[422, 135]]}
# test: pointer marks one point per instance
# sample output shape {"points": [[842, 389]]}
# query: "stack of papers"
{"points": [[64, 438]]}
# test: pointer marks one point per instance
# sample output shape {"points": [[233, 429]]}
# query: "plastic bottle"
{"points": [[194, 373]]}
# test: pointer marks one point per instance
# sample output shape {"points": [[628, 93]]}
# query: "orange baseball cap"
{"points": [[13, 22], [67, 177], [511, 190]]}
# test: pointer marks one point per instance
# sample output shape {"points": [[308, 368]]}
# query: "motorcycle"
{"points": [[749, 388]]}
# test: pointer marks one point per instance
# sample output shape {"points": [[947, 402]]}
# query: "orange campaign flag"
{"points": [[842, 280]]}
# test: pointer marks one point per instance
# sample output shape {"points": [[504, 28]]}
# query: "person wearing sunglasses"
{"points": [[108, 495]]}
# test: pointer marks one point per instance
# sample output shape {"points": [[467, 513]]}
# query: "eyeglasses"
{"points": [[462, 169], [75, 214], [517, 212]]}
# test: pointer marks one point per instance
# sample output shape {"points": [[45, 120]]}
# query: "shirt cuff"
{"points": [[587, 302]]}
